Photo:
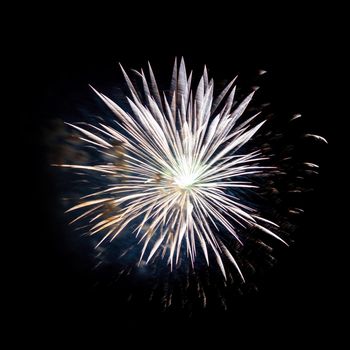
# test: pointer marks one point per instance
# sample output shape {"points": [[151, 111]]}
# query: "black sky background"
{"points": [[62, 55]]}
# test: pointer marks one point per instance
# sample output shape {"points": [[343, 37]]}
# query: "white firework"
{"points": [[176, 159]]}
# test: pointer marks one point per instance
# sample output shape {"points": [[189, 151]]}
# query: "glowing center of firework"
{"points": [[185, 181]]}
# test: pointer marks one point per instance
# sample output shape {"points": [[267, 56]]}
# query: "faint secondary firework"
{"points": [[181, 174]]}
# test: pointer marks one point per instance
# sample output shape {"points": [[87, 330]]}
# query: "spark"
{"points": [[178, 169], [317, 137]]}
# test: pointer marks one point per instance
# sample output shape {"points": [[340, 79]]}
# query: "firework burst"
{"points": [[176, 167]]}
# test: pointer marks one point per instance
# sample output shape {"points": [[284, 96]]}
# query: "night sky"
{"points": [[58, 67]]}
